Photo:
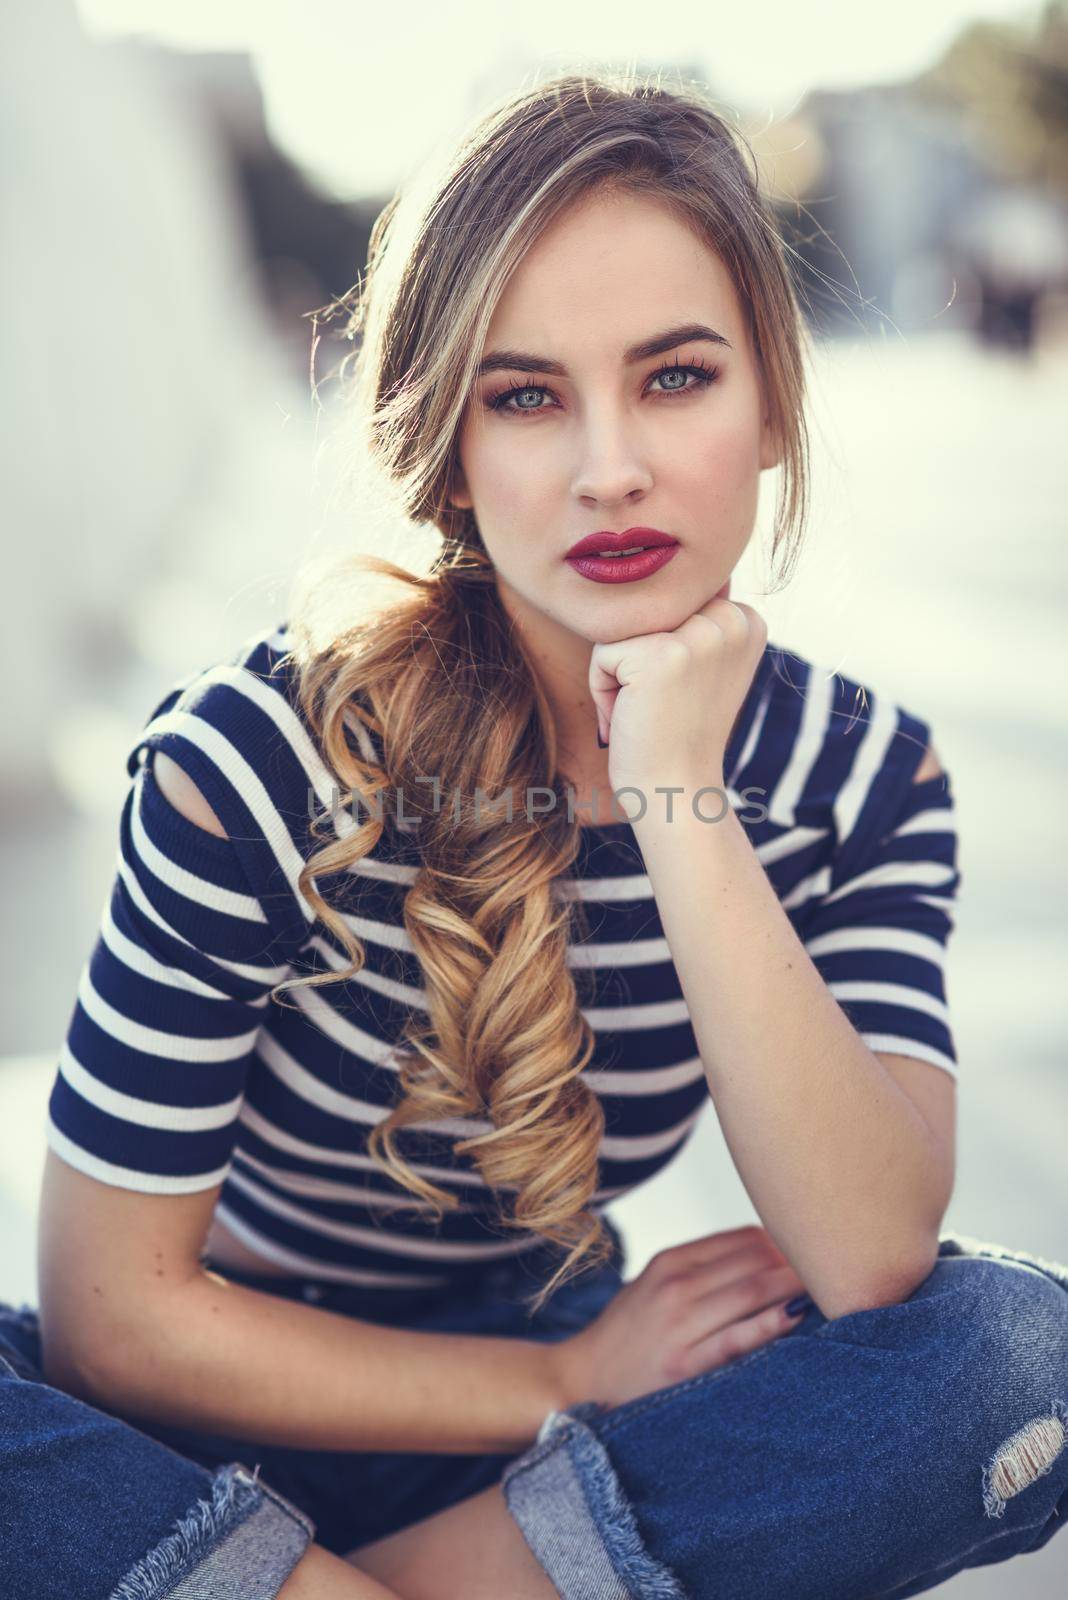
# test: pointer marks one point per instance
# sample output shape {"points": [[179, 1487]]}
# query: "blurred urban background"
{"points": [[185, 184]]}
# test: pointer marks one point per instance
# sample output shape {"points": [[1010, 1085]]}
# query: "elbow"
{"points": [[103, 1365], [885, 1286], [73, 1367]]}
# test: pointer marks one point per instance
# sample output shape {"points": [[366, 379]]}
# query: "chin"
{"points": [[663, 617]]}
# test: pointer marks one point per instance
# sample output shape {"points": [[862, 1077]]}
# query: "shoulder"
{"points": [[258, 679], [821, 708], [215, 709], [228, 747], [182, 793], [930, 767], [234, 725], [837, 751], [252, 765]]}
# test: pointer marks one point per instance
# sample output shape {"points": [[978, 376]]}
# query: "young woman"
{"points": [[390, 1001]]}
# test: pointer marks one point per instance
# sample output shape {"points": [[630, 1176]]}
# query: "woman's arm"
{"points": [[131, 1321], [842, 1167]]}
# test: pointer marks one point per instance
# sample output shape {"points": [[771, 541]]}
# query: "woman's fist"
{"points": [[669, 701]]}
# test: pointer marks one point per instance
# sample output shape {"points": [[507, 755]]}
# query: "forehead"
{"points": [[606, 272]]}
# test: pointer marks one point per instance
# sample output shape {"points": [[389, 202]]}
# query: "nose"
{"points": [[612, 470]]}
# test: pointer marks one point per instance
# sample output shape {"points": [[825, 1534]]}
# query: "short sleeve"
{"points": [[170, 1002], [235, 732], [880, 936]]}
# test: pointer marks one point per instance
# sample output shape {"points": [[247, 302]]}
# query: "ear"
{"points": [[458, 494], [770, 446]]}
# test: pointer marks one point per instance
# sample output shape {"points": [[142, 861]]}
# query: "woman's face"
{"points": [[572, 433]]}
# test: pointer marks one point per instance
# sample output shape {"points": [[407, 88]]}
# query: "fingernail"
{"points": [[794, 1308], [603, 743]]}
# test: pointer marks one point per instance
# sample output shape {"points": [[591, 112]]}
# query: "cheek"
{"points": [[504, 473], [718, 457]]}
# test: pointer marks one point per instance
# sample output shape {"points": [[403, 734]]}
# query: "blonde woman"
{"points": [[436, 927]]}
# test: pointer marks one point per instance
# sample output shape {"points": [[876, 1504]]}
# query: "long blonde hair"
{"points": [[438, 673]]}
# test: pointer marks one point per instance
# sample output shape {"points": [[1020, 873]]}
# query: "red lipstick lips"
{"points": [[594, 543], [655, 549]]}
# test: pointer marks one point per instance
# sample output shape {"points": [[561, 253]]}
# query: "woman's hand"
{"points": [[694, 1307], [668, 701]]}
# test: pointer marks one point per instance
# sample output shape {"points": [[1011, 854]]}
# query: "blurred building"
{"points": [[307, 246], [942, 202], [1014, 241], [156, 412], [874, 229]]}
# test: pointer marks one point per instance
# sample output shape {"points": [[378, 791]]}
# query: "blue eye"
{"points": [[702, 374], [527, 389]]}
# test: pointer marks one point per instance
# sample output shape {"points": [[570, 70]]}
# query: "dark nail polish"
{"points": [[803, 1302], [603, 743]]}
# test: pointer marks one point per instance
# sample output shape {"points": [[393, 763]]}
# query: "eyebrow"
{"points": [[686, 333]]}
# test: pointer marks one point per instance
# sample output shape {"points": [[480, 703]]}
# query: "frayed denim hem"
{"points": [[570, 1508], [242, 1544]]}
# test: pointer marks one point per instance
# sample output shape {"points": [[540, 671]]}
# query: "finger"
{"points": [[754, 1254], [739, 1338], [747, 1261], [719, 626], [603, 704], [728, 614], [711, 1246], [611, 667], [731, 1298], [606, 661], [719, 1299], [604, 686]]}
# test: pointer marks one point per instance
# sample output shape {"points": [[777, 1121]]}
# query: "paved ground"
{"points": [[935, 572]]}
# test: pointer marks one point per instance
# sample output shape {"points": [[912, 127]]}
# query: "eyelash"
{"points": [[704, 374]]}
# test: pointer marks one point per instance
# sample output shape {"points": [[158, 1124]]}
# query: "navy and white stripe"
{"points": [[180, 1073]]}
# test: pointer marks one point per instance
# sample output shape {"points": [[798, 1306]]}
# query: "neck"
{"points": [[561, 660]]}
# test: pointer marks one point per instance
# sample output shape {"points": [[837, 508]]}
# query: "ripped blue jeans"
{"points": [[872, 1455]]}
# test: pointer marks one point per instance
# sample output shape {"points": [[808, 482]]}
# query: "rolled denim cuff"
{"points": [[573, 1514], [241, 1543]]}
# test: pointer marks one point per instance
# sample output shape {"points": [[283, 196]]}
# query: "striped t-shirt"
{"points": [[179, 1072]]}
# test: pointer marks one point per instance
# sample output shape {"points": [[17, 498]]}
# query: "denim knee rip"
{"points": [[1024, 1458], [244, 1541], [570, 1508]]}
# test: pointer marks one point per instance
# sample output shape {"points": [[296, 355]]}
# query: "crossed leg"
{"points": [[969, 1376], [319, 1575], [474, 1548]]}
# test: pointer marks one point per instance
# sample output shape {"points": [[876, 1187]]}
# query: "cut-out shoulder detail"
{"points": [[929, 767], [183, 795]]}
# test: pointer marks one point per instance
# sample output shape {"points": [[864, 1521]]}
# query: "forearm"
{"points": [[836, 1158], [219, 1357]]}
